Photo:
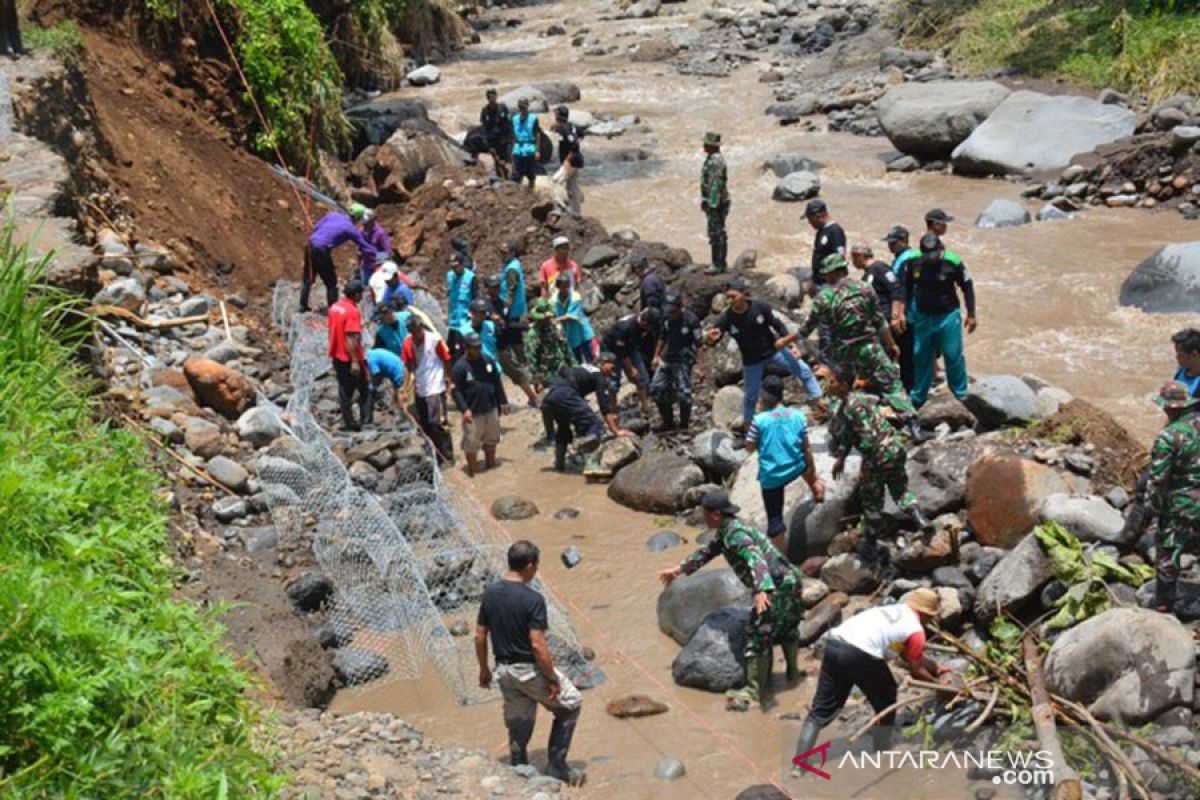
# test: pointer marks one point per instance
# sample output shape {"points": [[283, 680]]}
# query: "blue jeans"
{"points": [[933, 333], [752, 376]]}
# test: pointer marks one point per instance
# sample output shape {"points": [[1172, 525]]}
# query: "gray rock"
{"points": [[557, 92], [652, 50], [424, 76], [904, 59], [904, 164], [788, 163], [785, 288], [813, 591], [168, 430], [195, 306], [714, 657], [684, 604], [656, 482], [929, 119], [310, 592], [202, 437], [1015, 581], [228, 473], [1030, 132], [571, 557], [275, 470], [167, 398], [1185, 136], [1002, 213], [945, 409], [356, 667], [1117, 497], [797, 186], [846, 572], [1051, 212], [599, 255], [1127, 665], [223, 353], [643, 9], [1088, 518], [937, 475], [228, 509], [791, 111], [952, 577], [512, 507], [663, 540], [259, 426], [669, 769], [823, 616], [618, 453], [364, 475], [538, 103], [1000, 400], [1167, 118], [1168, 281], [259, 539], [126, 293], [713, 450]]}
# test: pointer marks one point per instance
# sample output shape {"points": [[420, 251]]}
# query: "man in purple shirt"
{"points": [[331, 230], [377, 237]]}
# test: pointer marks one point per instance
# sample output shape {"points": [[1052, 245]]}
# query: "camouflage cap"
{"points": [[832, 263], [1174, 394], [712, 139], [541, 310]]}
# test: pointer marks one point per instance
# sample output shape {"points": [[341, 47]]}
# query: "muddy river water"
{"points": [[1047, 305]]}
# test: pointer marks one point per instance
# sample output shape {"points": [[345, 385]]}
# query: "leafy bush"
{"points": [[110, 686]]}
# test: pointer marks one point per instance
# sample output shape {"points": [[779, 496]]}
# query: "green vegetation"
{"points": [[110, 686], [1150, 46], [65, 38], [1085, 575]]}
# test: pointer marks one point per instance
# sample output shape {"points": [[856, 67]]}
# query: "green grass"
{"points": [[1136, 46], [110, 685], [65, 38]]}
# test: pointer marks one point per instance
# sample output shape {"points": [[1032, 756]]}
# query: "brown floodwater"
{"points": [[1047, 305]]}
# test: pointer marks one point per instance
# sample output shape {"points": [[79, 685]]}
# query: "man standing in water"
{"points": [[513, 615], [714, 199]]}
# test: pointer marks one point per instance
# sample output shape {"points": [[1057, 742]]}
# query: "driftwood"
{"points": [[151, 324], [1066, 780]]}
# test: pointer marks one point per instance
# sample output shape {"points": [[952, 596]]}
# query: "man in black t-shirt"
{"points": [[497, 129], [761, 337], [829, 239], [513, 615], [566, 406], [570, 157], [674, 359], [479, 395], [626, 339], [878, 276]]}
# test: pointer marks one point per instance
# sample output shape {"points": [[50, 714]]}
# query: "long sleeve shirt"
{"points": [[336, 228], [512, 289], [548, 353], [850, 311], [588, 380], [856, 422], [714, 181], [477, 385], [932, 284], [378, 239], [749, 553], [1173, 493]]}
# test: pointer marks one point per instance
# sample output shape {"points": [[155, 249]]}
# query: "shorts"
{"points": [[513, 361], [483, 431], [524, 167]]}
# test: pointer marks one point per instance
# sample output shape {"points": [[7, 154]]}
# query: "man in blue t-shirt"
{"points": [[779, 434], [1187, 355], [391, 325], [383, 365]]}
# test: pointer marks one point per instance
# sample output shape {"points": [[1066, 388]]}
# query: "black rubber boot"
{"points": [[919, 520], [685, 417], [806, 742], [517, 755], [668, 419], [556, 749], [791, 652], [916, 432], [560, 457]]}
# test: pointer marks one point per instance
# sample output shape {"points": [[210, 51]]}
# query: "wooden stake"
{"points": [[1066, 780]]}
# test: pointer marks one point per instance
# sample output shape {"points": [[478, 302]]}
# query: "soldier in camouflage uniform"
{"points": [[1173, 492], [859, 333], [777, 610], [714, 199], [548, 354], [856, 422]]}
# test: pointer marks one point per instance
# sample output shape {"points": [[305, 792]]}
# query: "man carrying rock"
{"points": [[761, 337], [349, 357], [897, 242], [856, 654], [498, 131], [624, 339], [1187, 355], [567, 406], [1173, 490], [549, 356], [330, 232], [847, 309], [856, 423], [937, 323], [714, 200], [777, 609], [527, 143], [677, 354], [513, 615], [570, 158], [479, 395], [425, 357], [779, 435]]}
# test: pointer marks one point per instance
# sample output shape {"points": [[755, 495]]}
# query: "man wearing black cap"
{"points": [[497, 129], [566, 405], [349, 357], [937, 221], [897, 242], [624, 339], [479, 395], [777, 608], [714, 199], [674, 359], [936, 321], [570, 157], [761, 337], [829, 238]]}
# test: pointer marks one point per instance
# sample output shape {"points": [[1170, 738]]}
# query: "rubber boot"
{"points": [[720, 250], [556, 750], [517, 755], [1135, 522], [919, 520], [592, 468], [758, 671], [881, 737], [668, 419], [806, 742], [916, 432], [560, 457], [685, 417], [1164, 595], [791, 651]]}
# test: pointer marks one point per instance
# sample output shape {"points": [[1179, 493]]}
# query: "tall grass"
{"points": [[110, 686]]}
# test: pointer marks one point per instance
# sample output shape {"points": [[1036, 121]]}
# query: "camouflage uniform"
{"points": [[714, 194], [1173, 492], [855, 321], [548, 354], [857, 423], [762, 569]]}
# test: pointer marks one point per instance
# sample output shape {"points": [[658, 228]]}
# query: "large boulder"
{"points": [[714, 659], [376, 121], [1127, 665], [727, 407], [656, 482], [1005, 494], [797, 186], [556, 92], [713, 450], [945, 408], [538, 103], [1014, 582], [424, 76], [1000, 400], [221, 388], [684, 604], [929, 119], [1088, 518], [403, 162], [937, 475], [848, 573], [787, 163], [1002, 213], [1031, 132], [1166, 282]]}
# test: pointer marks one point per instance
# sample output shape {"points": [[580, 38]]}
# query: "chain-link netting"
{"points": [[409, 556]]}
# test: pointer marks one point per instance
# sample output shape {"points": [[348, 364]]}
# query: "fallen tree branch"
{"points": [[987, 712], [166, 448], [1066, 779], [152, 324]]}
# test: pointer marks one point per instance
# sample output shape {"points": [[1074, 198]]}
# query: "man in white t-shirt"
{"points": [[856, 654], [425, 358]]}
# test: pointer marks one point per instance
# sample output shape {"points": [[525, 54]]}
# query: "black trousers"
{"points": [[10, 30], [431, 411], [842, 668], [905, 342], [318, 262], [348, 384], [773, 505], [571, 414]]}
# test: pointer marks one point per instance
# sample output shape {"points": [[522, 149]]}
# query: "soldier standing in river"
{"points": [[714, 199], [1173, 491]]}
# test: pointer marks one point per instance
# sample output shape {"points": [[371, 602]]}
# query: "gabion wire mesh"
{"points": [[409, 556]]}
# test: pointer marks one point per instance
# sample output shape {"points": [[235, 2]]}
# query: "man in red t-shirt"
{"points": [[557, 263], [349, 357]]}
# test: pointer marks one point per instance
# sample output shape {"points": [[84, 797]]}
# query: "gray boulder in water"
{"points": [[1002, 213], [797, 186], [929, 119], [714, 451], [684, 604], [714, 658], [1166, 282], [999, 400], [657, 482]]}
